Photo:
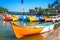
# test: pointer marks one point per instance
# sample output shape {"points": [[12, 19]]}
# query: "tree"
{"points": [[36, 9], [31, 11], [49, 5], [41, 11], [57, 7], [3, 9]]}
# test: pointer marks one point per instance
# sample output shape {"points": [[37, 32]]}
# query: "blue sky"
{"points": [[15, 5]]}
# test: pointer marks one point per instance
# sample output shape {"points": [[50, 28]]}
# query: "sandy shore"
{"points": [[55, 35]]}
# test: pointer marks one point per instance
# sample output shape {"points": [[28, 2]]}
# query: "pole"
{"points": [[22, 1]]}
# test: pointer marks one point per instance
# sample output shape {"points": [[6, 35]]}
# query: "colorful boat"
{"points": [[21, 31], [53, 19], [47, 19], [58, 19], [34, 23], [33, 18], [15, 18], [41, 19], [27, 19], [6, 18], [24, 18]]}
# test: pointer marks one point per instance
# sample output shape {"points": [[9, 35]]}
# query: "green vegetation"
{"points": [[3, 10]]}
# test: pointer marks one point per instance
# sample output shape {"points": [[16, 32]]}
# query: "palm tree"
{"points": [[36, 8], [49, 5]]}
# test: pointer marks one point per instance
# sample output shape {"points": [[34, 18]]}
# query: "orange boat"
{"points": [[21, 31], [47, 19], [6, 18]]}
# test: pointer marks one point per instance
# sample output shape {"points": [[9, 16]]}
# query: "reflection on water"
{"points": [[32, 37], [6, 32]]}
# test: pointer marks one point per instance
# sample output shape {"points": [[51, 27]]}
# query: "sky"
{"points": [[16, 6]]}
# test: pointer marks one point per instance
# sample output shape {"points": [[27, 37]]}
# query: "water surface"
{"points": [[6, 32]]}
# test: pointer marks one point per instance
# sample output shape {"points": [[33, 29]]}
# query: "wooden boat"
{"points": [[21, 31], [58, 19], [47, 19], [49, 27], [15, 18], [33, 19], [41, 19], [34, 23], [27, 19], [21, 18], [16, 22], [54, 19], [6, 18], [24, 18]]}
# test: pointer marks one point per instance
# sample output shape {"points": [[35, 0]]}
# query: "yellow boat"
{"points": [[33, 19], [16, 22], [21, 31], [33, 23], [15, 18], [54, 18]]}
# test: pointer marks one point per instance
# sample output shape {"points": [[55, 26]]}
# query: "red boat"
{"points": [[6, 18]]}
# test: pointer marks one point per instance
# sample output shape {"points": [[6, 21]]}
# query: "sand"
{"points": [[55, 35]]}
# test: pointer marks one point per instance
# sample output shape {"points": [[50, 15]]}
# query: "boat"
{"points": [[54, 19], [34, 23], [22, 31], [6, 18], [47, 19], [33, 19], [58, 18], [16, 22], [24, 18], [41, 19], [48, 26], [27, 19], [15, 18]]}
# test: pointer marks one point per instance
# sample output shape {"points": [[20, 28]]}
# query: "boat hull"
{"points": [[24, 19], [47, 19], [48, 28], [33, 19], [41, 20], [6, 18], [15, 18], [21, 31]]}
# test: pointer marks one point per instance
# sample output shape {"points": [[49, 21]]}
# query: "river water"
{"points": [[6, 33]]}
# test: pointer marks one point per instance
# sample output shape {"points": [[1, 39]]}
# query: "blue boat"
{"points": [[24, 18], [21, 18], [27, 19], [41, 19], [57, 20]]}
